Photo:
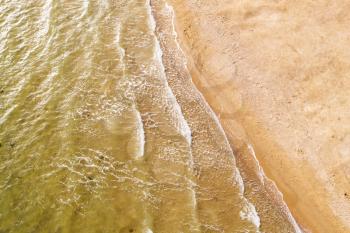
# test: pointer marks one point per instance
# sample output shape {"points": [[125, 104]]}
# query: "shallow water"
{"points": [[94, 138]]}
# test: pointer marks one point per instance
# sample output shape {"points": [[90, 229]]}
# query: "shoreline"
{"points": [[219, 203], [258, 189], [247, 163], [313, 211]]}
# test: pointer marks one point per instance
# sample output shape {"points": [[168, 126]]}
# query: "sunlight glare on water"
{"points": [[92, 138]]}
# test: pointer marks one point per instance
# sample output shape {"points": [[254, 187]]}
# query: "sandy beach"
{"points": [[164, 116], [274, 215], [276, 75]]}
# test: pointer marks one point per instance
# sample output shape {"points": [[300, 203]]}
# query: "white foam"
{"points": [[249, 213], [263, 177], [239, 181], [140, 134], [117, 39], [151, 22], [3, 118], [44, 20], [86, 5], [171, 12], [181, 123], [261, 173], [119, 47]]}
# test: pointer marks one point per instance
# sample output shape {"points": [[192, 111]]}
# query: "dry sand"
{"points": [[277, 75]]}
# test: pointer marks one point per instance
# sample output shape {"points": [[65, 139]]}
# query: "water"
{"points": [[97, 136]]}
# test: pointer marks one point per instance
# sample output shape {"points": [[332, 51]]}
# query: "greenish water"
{"points": [[92, 137]]}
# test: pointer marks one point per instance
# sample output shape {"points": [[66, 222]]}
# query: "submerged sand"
{"points": [[276, 75], [102, 129]]}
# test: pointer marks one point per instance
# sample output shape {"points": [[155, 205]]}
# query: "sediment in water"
{"points": [[99, 134], [102, 129]]}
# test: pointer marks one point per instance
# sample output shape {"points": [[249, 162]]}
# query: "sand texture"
{"points": [[276, 73]]}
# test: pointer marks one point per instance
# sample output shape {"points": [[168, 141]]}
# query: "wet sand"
{"points": [[102, 129], [275, 73], [273, 214]]}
